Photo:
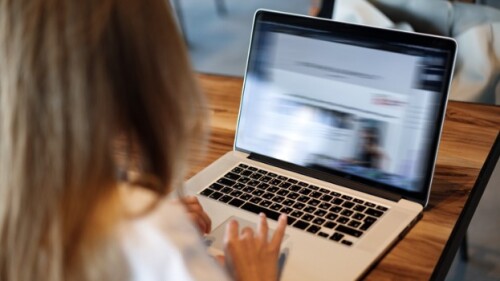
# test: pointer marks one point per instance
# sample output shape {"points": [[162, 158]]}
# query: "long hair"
{"points": [[74, 76]]}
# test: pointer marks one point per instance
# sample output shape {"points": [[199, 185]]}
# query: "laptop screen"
{"points": [[346, 101]]}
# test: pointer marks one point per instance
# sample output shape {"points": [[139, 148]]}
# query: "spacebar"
{"points": [[258, 209]]}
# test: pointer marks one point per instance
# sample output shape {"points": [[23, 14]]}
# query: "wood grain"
{"points": [[469, 131]]}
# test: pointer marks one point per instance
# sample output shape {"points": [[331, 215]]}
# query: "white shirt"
{"points": [[164, 245]]}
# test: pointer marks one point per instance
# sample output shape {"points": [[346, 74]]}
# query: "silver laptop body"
{"points": [[346, 115]]}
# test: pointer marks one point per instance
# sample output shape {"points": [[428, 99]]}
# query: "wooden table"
{"points": [[469, 132]]}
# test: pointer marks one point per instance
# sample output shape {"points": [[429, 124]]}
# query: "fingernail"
{"points": [[262, 215]]}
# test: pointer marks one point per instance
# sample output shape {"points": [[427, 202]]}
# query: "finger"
{"points": [[280, 232], [247, 233], [199, 222], [221, 260], [206, 219], [262, 227], [231, 231]]}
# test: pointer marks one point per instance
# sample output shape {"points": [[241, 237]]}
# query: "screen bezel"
{"points": [[353, 30]]}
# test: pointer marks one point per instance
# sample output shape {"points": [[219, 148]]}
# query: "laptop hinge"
{"points": [[338, 180]]}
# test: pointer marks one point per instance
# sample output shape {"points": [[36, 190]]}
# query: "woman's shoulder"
{"points": [[164, 245]]}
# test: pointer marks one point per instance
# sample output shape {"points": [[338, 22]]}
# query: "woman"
{"points": [[75, 77]]}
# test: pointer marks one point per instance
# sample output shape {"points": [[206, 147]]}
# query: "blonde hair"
{"points": [[74, 75]]}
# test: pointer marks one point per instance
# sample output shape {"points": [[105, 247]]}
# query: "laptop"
{"points": [[339, 127]]}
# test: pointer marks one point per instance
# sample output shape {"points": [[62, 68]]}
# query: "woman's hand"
{"points": [[251, 256], [198, 216]]}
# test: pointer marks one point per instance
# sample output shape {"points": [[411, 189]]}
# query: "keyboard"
{"points": [[328, 214]]}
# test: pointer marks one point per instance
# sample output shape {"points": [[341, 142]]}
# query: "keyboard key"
{"points": [[266, 179], [307, 217], [225, 198], [232, 176], [322, 234], [326, 197], [258, 192], [216, 195], [275, 182], [358, 216], [238, 186], [303, 199], [248, 189], [290, 220], [314, 202], [359, 208], [316, 194], [325, 205], [337, 201], [245, 196], [292, 181], [334, 193], [282, 192], [265, 203], [236, 193], [268, 196], [256, 176], [273, 189], [305, 191], [253, 169], [366, 226], [256, 200], [347, 197], [244, 180], [359, 201], [348, 205], [301, 183], [206, 192], [324, 190], [216, 186], [336, 209], [309, 209], [382, 208], [354, 223], [283, 178], [331, 216], [273, 175], [299, 205], [313, 229], [370, 220], [373, 212], [347, 213], [262, 186], [293, 195], [296, 214], [369, 204], [330, 225], [260, 171], [314, 187], [278, 199], [246, 173], [342, 220], [319, 221], [276, 207], [337, 236], [301, 224], [285, 184], [258, 209], [253, 183], [346, 242], [243, 166], [288, 202], [320, 213], [349, 231], [286, 210], [236, 202], [294, 188], [237, 170]]}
